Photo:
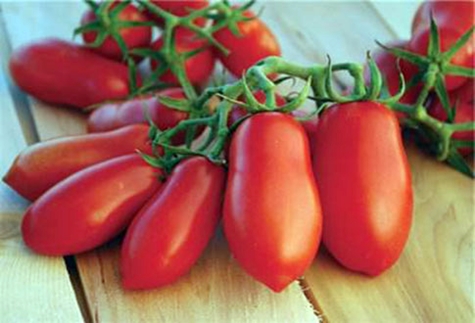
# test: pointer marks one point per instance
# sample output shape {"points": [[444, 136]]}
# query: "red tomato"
{"points": [[256, 41], [272, 217], [463, 100], [456, 15], [180, 8], [464, 57], [365, 185], [170, 232], [134, 37], [42, 165], [90, 207], [61, 72], [198, 68], [115, 115]]}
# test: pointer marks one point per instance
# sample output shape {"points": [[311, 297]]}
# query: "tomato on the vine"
{"points": [[198, 68], [171, 231], [42, 165], [272, 216], [140, 110], [255, 42], [365, 185], [90, 207], [61, 72], [448, 37], [133, 37]]}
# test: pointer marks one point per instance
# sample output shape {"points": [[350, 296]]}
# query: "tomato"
{"points": [[42, 165], [90, 207], [171, 231], [272, 216], [133, 37], [198, 68], [255, 42], [464, 57], [365, 185], [446, 13], [463, 100], [180, 8], [61, 72], [119, 114]]}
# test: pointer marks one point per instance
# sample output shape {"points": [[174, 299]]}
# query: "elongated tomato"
{"points": [[90, 207], [61, 72], [42, 165], [171, 231], [272, 217], [365, 185]]}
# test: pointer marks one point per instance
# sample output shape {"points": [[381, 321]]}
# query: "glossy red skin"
{"points": [[90, 207], [134, 37], [61, 72], [464, 57], [171, 231], [180, 8], [453, 14], [198, 67], [463, 99], [365, 185], [272, 215], [42, 165], [119, 114], [255, 43]]}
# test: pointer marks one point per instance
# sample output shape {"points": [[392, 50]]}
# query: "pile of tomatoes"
{"points": [[278, 184]]}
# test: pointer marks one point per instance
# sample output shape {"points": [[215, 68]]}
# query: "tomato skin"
{"points": [[119, 114], [180, 8], [463, 99], [90, 207], [272, 216], [365, 185], [134, 37], [453, 14], [464, 57], [198, 68], [255, 43], [42, 165], [166, 238], [61, 72]]}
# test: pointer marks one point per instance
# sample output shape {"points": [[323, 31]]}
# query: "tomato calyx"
{"points": [[107, 23]]}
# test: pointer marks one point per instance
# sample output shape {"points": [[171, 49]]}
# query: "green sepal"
{"points": [[456, 160], [299, 99], [174, 103]]}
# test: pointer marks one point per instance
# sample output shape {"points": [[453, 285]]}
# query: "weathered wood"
{"points": [[32, 288]]}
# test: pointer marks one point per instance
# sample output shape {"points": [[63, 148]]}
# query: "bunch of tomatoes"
{"points": [[167, 159]]}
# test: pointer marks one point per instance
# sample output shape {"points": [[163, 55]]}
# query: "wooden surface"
{"points": [[432, 282]]}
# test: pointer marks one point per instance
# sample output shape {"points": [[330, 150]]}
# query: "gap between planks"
{"points": [[30, 133]]}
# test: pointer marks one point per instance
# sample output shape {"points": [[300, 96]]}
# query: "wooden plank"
{"points": [[216, 290], [32, 288]]}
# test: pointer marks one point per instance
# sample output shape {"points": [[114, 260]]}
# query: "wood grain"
{"points": [[32, 288], [432, 282]]}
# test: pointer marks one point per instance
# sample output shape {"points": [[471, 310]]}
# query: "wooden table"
{"points": [[432, 282]]}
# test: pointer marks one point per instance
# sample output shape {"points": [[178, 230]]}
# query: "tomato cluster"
{"points": [[167, 166], [453, 21]]}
